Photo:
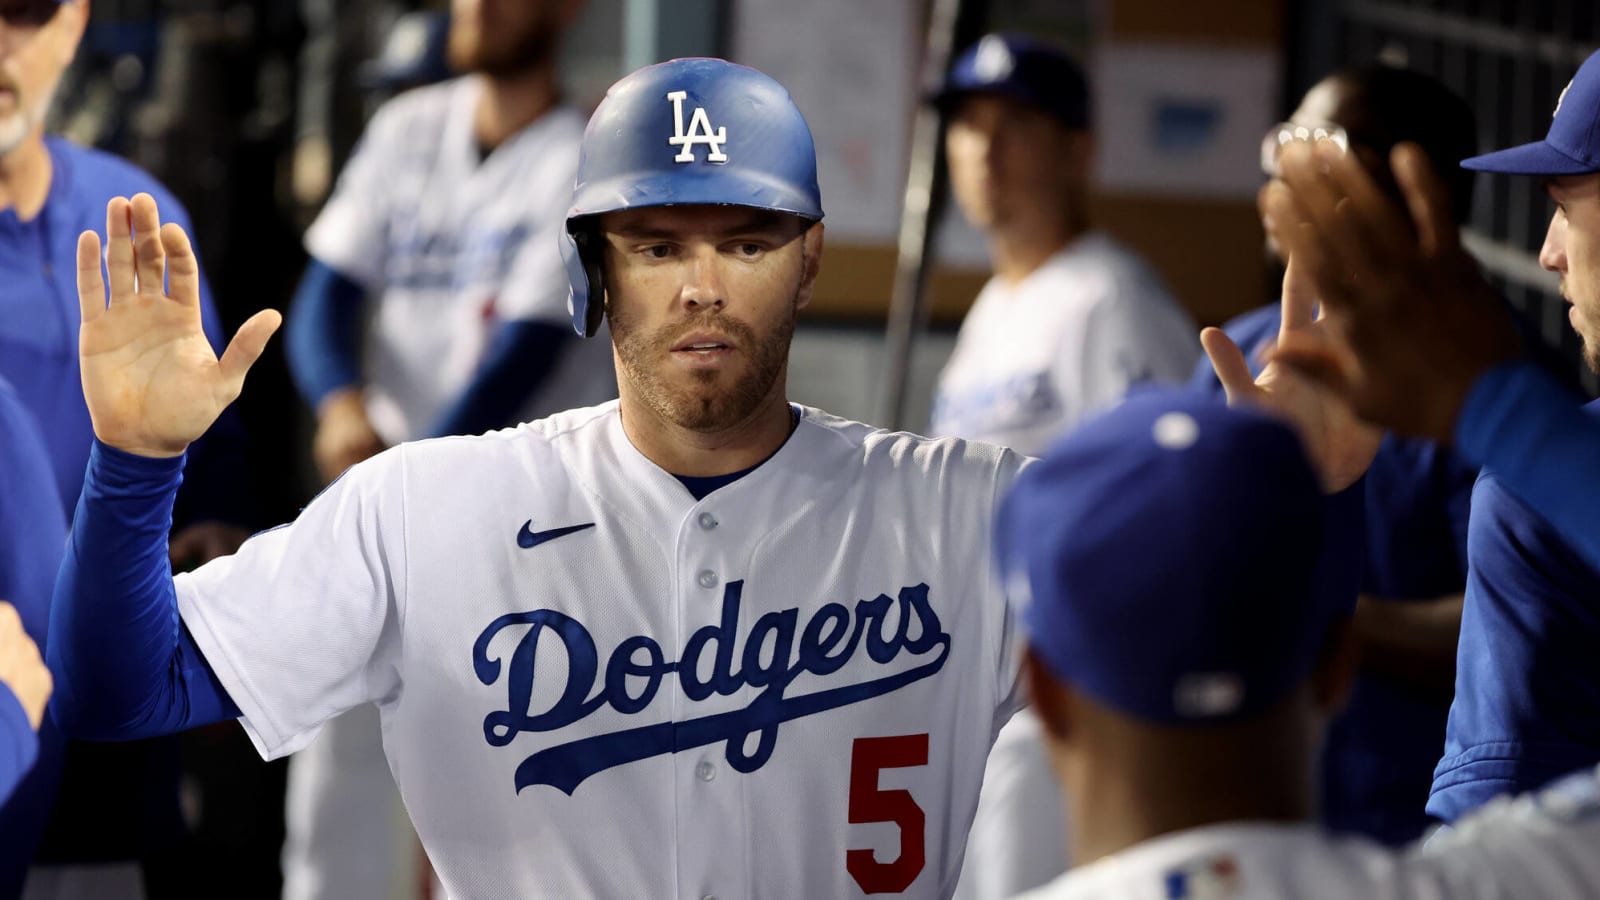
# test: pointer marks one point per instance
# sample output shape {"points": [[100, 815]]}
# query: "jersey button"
{"points": [[708, 521], [707, 578], [705, 771]]}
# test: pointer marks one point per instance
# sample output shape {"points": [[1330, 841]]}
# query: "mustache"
{"points": [[733, 328]]}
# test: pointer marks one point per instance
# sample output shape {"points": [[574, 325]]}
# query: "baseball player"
{"points": [[1069, 321], [32, 533], [434, 303], [24, 691], [1187, 750], [116, 805], [1527, 706], [695, 642], [1377, 761]]}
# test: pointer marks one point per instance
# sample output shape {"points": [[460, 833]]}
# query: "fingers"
{"points": [[1427, 199], [246, 347], [1317, 261], [1299, 303], [119, 248], [1227, 360], [91, 284], [183, 269], [1334, 194], [148, 255]]}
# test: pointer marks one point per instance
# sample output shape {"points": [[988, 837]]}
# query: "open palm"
{"points": [[150, 378]]}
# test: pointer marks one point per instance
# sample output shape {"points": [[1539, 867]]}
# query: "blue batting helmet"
{"points": [[689, 131]]}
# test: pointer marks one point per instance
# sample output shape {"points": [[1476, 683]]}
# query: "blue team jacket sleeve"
{"points": [[19, 746], [323, 332], [520, 357], [123, 665], [1527, 704], [1531, 432]]}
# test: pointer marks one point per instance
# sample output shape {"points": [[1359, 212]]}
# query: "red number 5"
{"points": [[868, 804]]}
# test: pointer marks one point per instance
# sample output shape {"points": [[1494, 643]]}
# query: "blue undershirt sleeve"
{"points": [[19, 745], [124, 665], [521, 355], [323, 332], [1541, 446]]}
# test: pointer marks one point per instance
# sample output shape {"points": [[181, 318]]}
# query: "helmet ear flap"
{"points": [[593, 269]]}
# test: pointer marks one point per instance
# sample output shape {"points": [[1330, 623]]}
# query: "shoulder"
{"points": [[95, 176], [533, 442], [421, 106], [953, 463]]}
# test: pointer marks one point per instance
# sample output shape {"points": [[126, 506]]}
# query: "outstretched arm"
{"points": [[121, 659]]}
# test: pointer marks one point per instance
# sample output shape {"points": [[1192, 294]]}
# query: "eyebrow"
{"points": [[757, 222]]}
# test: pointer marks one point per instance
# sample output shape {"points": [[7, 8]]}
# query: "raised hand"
{"points": [[150, 378], [1341, 446], [1412, 324]]}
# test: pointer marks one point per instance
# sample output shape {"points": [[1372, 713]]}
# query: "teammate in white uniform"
{"points": [[696, 642], [1069, 322], [442, 242], [1187, 746]]}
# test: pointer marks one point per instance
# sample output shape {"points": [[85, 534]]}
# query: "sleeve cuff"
{"points": [[129, 473]]}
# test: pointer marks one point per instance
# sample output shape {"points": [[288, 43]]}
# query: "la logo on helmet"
{"points": [[700, 132]]}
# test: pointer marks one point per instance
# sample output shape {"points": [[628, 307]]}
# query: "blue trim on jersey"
{"points": [[322, 338], [520, 357], [123, 663]]}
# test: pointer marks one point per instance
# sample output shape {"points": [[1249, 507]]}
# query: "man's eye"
{"points": [[749, 249], [658, 251]]}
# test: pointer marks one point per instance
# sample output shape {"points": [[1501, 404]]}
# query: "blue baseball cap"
{"points": [[1022, 68], [1572, 146], [1167, 559]]}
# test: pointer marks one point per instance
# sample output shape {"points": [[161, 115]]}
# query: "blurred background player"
{"points": [[1188, 750], [1527, 703], [117, 804], [434, 304], [1069, 321], [33, 531], [1378, 761]]}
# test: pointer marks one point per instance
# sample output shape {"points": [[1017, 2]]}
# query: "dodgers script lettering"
{"points": [[826, 643]]}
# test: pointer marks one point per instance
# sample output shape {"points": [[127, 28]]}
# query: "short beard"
{"points": [[15, 128], [707, 410]]}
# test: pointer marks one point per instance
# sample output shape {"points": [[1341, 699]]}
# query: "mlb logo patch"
{"points": [[1214, 878]]}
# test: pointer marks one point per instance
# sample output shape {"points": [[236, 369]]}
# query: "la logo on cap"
{"points": [[700, 132]]}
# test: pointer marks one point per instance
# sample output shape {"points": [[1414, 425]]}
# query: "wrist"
{"points": [[348, 399]]}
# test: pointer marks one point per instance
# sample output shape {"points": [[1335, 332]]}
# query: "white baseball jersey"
{"points": [[447, 245], [1034, 358], [593, 685], [1539, 847]]}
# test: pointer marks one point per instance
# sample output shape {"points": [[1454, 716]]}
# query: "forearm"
{"points": [[324, 333], [1412, 642], [1531, 433], [120, 667], [520, 357], [19, 744]]}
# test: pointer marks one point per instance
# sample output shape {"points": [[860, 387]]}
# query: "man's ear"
{"points": [[811, 263], [1335, 675], [1051, 700]]}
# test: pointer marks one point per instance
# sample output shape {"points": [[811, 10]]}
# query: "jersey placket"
{"points": [[712, 850]]}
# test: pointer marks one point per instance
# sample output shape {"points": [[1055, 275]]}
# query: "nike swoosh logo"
{"points": [[527, 538]]}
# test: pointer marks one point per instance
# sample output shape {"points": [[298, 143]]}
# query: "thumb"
{"points": [[1227, 360], [246, 347]]}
